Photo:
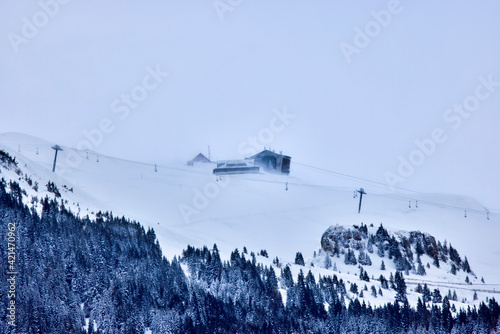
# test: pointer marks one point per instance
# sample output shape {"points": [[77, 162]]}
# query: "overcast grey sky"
{"points": [[348, 86]]}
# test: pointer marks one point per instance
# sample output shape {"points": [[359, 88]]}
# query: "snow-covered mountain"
{"points": [[280, 214]]}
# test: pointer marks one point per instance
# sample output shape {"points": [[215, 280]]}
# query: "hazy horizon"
{"points": [[397, 92]]}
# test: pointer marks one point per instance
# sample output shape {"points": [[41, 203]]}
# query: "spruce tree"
{"points": [[426, 293], [364, 259], [391, 281], [380, 250], [383, 282], [421, 270], [286, 278], [436, 296], [446, 318], [328, 261], [400, 287], [350, 258], [374, 291], [435, 260], [453, 269], [466, 266], [299, 259]]}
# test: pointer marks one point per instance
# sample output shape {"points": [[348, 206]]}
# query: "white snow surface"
{"points": [[188, 205]]}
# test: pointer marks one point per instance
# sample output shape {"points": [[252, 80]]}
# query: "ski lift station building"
{"points": [[271, 161], [267, 161]]}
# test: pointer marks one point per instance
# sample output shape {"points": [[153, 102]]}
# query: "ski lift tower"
{"points": [[361, 192], [56, 148]]}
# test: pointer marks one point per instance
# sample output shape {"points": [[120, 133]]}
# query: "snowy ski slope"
{"points": [[188, 205]]}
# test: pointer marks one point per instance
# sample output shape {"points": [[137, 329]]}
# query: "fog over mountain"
{"points": [[400, 92]]}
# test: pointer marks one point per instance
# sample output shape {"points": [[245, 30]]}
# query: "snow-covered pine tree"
{"points": [[436, 296], [400, 287], [350, 258], [328, 262], [364, 259], [299, 259], [426, 293]]}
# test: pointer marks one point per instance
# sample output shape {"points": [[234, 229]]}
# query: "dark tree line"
{"points": [[111, 271]]}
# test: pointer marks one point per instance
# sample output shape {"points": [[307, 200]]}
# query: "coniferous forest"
{"points": [[71, 272]]}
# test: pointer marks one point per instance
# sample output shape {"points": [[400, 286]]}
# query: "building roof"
{"points": [[267, 153], [200, 158]]}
